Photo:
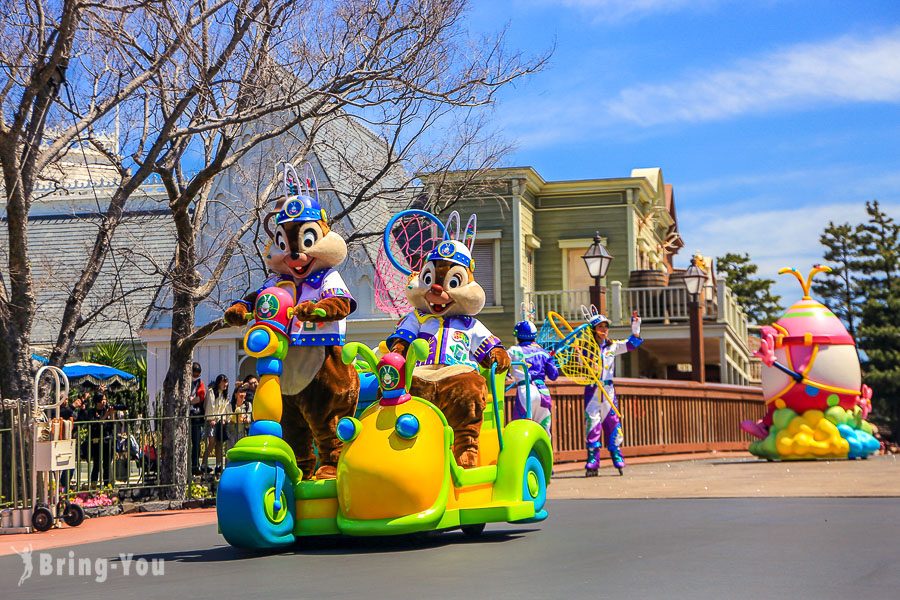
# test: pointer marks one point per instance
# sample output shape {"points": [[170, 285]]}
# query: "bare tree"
{"points": [[279, 71], [65, 67], [211, 91]]}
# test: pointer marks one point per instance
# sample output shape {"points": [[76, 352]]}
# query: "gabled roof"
{"points": [[345, 157], [349, 155], [58, 249]]}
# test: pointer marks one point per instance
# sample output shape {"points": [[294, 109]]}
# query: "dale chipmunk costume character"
{"points": [[446, 298], [318, 388]]}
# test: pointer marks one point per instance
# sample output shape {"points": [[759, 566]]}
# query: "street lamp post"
{"points": [[694, 280], [597, 259]]}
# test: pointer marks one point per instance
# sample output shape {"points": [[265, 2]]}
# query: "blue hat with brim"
{"points": [[453, 251], [300, 209]]}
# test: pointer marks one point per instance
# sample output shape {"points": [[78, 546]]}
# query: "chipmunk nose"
{"points": [[437, 289], [295, 255]]}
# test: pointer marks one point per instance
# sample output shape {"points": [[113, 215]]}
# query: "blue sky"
{"points": [[770, 118]]}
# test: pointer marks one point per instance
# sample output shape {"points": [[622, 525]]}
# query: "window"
{"points": [[485, 254]]}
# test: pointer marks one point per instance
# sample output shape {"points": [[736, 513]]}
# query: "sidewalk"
{"points": [[735, 475], [707, 475], [661, 458], [108, 528]]}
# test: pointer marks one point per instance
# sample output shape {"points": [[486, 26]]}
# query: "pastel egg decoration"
{"points": [[812, 384]]}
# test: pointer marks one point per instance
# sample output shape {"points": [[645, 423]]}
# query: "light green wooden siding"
{"points": [[526, 218], [555, 225]]}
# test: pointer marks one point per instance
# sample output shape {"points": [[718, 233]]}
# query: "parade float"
{"points": [[816, 404], [397, 472]]}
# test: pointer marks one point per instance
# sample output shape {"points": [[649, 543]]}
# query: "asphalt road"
{"points": [[702, 548]]}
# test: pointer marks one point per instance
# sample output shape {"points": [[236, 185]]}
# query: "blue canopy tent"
{"points": [[79, 372]]}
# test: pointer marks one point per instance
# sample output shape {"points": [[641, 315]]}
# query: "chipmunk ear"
{"points": [[469, 237], [269, 219], [451, 227]]}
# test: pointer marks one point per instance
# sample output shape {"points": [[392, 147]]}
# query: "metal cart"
{"points": [[53, 452]]}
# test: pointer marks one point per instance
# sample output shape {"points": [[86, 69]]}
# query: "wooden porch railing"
{"points": [[659, 417], [566, 302]]}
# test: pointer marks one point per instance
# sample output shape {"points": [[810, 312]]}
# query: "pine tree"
{"points": [[839, 289], [879, 252], [754, 295], [879, 331]]}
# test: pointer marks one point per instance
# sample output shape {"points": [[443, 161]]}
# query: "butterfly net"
{"points": [[580, 359], [547, 336], [411, 239]]}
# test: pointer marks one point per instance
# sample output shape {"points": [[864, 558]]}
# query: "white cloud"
{"points": [[846, 69], [787, 237]]}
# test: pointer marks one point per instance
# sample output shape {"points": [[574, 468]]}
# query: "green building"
{"points": [[531, 236]]}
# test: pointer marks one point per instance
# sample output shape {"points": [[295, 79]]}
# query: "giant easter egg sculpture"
{"points": [[815, 403]]}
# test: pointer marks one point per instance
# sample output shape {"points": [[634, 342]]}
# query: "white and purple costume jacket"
{"points": [[540, 367], [454, 340], [598, 414], [326, 283]]}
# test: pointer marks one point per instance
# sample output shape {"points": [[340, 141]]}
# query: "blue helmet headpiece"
{"points": [[302, 201], [525, 330], [452, 249]]}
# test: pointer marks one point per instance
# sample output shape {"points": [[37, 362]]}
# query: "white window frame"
{"points": [[494, 236]]}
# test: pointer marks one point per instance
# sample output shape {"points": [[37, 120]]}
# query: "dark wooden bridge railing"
{"points": [[659, 417]]}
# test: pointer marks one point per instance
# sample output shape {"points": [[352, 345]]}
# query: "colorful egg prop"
{"points": [[812, 384]]}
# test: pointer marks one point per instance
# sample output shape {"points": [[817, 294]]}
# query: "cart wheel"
{"points": [[473, 531], [74, 515], [245, 505], [534, 485], [42, 518]]}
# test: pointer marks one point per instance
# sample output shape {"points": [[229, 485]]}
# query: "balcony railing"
{"points": [[565, 302], [655, 304], [660, 417]]}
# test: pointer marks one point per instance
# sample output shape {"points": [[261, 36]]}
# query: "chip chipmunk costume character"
{"points": [[446, 298], [541, 367], [816, 403], [601, 406], [318, 387]]}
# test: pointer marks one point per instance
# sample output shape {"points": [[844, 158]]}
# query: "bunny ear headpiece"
{"points": [[469, 237], [454, 250], [302, 201], [525, 330], [592, 316], [528, 312]]}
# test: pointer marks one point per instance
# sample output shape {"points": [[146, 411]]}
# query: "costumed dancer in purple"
{"points": [[599, 416], [541, 367]]}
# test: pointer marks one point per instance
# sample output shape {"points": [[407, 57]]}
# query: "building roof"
{"points": [[345, 156], [142, 246], [349, 156]]}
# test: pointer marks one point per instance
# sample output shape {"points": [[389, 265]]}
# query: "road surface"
{"points": [[792, 548]]}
